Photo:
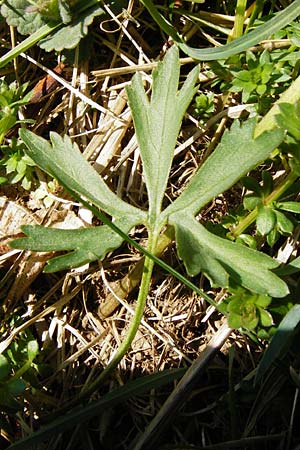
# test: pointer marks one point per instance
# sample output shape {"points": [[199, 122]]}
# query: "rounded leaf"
{"points": [[265, 317], [266, 220], [250, 202], [263, 300], [284, 224]]}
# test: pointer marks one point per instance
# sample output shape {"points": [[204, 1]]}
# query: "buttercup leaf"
{"points": [[221, 259], [79, 176], [157, 123], [87, 244], [228, 163]]}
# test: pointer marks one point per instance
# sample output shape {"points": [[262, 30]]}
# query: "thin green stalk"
{"points": [[134, 325], [238, 20], [136, 245], [275, 195]]}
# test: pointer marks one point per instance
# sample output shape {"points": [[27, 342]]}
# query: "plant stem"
{"points": [[135, 323], [239, 20], [275, 195]]}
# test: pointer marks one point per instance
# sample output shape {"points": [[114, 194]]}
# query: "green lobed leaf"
{"points": [[63, 161], [157, 122], [69, 35], [73, 22], [237, 153], [17, 14], [221, 259], [87, 244]]}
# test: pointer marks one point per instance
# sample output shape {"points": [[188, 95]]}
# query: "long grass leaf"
{"points": [[241, 44]]}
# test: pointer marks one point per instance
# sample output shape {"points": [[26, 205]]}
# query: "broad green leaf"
{"points": [[157, 122], [266, 220], [280, 341], [63, 161], [221, 259], [237, 153], [87, 244]]}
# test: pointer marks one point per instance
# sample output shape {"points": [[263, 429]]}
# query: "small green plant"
{"points": [[18, 167], [273, 217], [204, 106], [261, 78], [11, 98], [17, 371], [246, 310], [157, 123]]}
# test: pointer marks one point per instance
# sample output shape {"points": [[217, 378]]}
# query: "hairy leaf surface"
{"points": [[157, 123], [88, 244], [63, 161], [221, 259], [237, 153]]}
